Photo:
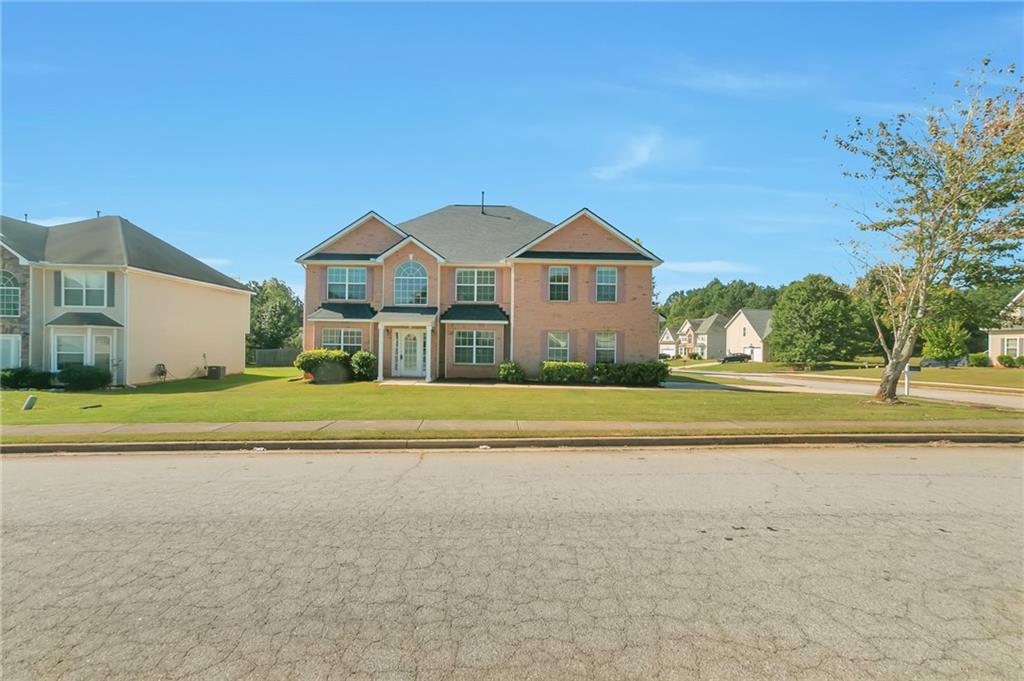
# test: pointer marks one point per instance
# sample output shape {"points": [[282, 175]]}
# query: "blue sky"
{"points": [[247, 133]]}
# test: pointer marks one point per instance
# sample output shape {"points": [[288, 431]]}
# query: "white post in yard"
{"points": [[380, 352], [906, 380]]}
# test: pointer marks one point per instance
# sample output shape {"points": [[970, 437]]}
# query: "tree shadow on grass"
{"points": [[206, 385]]}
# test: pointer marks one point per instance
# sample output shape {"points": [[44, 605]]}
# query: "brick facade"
{"points": [[17, 325]]}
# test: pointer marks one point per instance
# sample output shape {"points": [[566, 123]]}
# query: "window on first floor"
{"points": [[558, 346], [604, 347], [10, 351], [1011, 346], [85, 289], [475, 286], [346, 283], [607, 284], [70, 350], [102, 351], [474, 347], [349, 340], [10, 295]]}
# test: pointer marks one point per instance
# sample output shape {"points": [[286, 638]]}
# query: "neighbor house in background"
{"points": [[1009, 338], [747, 332], [455, 292], [668, 344], [701, 338], [105, 292]]}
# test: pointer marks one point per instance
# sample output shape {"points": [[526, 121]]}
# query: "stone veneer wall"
{"points": [[17, 325]]}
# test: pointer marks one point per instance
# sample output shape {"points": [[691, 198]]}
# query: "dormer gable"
{"points": [[585, 234], [370, 235]]}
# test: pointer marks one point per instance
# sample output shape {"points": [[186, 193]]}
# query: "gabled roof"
{"points": [[692, 323], [371, 215], [581, 255], [760, 320], [411, 240], [108, 241], [469, 234], [712, 323], [671, 335], [597, 219]]}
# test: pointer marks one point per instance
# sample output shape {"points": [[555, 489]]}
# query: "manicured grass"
{"points": [[983, 376], [280, 395]]}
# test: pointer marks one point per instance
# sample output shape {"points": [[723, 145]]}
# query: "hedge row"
{"points": [[631, 373], [362, 365], [76, 377], [1010, 361]]}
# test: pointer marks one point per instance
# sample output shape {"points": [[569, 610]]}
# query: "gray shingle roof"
{"points": [[461, 233], [83, 319], [582, 255], [475, 313], [111, 241], [760, 320], [714, 322], [342, 311]]}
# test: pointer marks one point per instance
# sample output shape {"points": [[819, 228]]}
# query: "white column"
{"points": [[429, 372], [380, 351]]}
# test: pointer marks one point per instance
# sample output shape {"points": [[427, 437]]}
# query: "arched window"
{"points": [[10, 295], [410, 284]]}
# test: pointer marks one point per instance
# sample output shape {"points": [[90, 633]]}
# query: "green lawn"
{"points": [[280, 395], [985, 376]]}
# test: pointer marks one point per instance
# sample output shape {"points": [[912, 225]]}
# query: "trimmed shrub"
{"points": [[325, 366], [695, 355], [15, 378], [83, 377], [364, 366], [510, 372], [563, 372], [978, 359], [39, 380], [1008, 361], [631, 373]]}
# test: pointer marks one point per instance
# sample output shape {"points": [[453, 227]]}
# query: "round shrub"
{"points": [[979, 359], [311, 359], [563, 372], [82, 377], [1008, 361], [364, 366], [510, 372]]}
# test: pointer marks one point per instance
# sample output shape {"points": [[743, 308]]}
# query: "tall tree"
{"points": [[275, 315], [815, 321], [716, 297], [949, 208]]}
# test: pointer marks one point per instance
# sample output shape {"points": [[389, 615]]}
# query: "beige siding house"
{"points": [[668, 344], [1009, 338], [455, 292], [106, 292], [747, 332]]}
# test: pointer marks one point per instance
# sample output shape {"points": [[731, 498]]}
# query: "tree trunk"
{"points": [[888, 389]]}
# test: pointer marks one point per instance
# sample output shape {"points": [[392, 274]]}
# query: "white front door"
{"points": [[755, 352], [407, 353]]}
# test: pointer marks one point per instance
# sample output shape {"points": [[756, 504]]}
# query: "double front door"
{"points": [[408, 353]]}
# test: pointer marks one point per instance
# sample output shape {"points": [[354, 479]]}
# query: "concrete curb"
{"points": [[512, 443]]}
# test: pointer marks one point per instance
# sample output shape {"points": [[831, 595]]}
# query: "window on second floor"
{"points": [[410, 284], [475, 286], [607, 284], [84, 289], [10, 295], [558, 283], [346, 283]]}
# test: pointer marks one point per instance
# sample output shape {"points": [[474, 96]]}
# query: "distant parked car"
{"points": [[735, 357], [962, 362], [662, 355]]}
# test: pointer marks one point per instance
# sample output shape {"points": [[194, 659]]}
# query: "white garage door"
{"points": [[756, 353]]}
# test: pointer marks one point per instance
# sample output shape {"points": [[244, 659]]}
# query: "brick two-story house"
{"points": [[457, 291]]}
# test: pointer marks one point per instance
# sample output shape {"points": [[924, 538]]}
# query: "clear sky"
{"points": [[247, 133]]}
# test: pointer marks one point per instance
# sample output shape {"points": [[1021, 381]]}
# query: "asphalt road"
{"points": [[852, 563], [837, 386]]}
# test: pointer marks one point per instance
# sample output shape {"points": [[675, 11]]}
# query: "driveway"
{"points": [[894, 563], [838, 386]]}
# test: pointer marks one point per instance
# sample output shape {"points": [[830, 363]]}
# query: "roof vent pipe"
{"points": [[482, 203]]}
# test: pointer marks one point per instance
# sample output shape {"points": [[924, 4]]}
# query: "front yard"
{"points": [[280, 395]]}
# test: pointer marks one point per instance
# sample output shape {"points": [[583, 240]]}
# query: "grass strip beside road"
{"points": [[995, 377]]}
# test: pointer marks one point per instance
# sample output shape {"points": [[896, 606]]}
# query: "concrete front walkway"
{"points": [[343, 428]]}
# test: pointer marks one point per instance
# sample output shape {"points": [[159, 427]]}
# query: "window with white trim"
{"points": [[10, 351], [558, 283], [604, 347], [102, 351], [607, 284], [475, 286], [70, 350], [346, 283], [410, 284], [474, 347], [558, 346], [1011, 346], [10, 295], [84, 289], [349, 340]]}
